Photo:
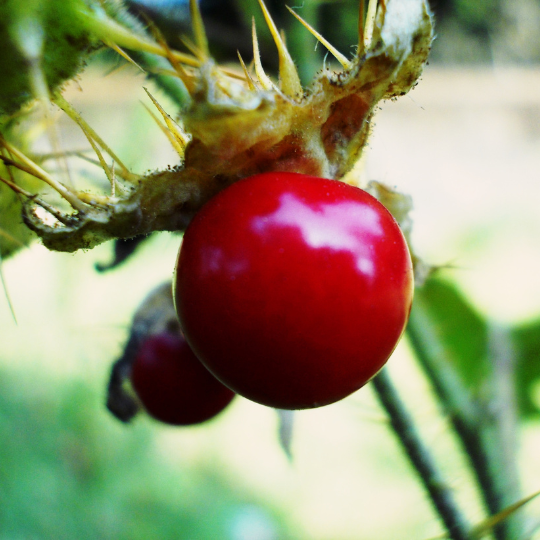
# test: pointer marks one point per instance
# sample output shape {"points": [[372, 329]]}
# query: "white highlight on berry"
{"points": [[332, 226]]}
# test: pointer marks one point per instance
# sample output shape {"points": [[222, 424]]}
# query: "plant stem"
{"points": [[479, 430], [501, 430], [420, 457]]}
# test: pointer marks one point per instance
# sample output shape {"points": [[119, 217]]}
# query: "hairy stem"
{"points": [[501, 431], [481, 432], [420, 457]]}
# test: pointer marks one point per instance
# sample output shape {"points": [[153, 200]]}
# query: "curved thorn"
{"points": [[341, 58], [290, 81]]}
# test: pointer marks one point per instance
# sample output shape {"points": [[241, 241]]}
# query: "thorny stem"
{"points": [[500, 430], [480, 431], [420, 457]]}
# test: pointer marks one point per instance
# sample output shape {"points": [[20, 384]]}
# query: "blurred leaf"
{"points": [[526, 340], [476, 15], [460, 330], [48, 29], [69, 470], [14, 235]]}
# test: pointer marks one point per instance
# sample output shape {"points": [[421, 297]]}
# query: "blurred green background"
{"points": [[465, 144]]}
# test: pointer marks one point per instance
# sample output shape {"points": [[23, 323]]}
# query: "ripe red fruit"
{"points": [[293, 290], [173, 385]]}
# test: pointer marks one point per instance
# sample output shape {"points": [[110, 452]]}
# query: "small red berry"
{"points": [[173, 385], [293, 290]]}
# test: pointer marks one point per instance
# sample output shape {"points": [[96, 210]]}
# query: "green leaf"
{"points": [[459, 329], [41, 42], [526, 339]]}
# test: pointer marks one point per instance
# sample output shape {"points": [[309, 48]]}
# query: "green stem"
{"points": [[420, 457], [501, 431], [475, 425]]}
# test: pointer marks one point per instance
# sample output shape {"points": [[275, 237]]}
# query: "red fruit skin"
{"points": [[173, 385], [293, 290]]}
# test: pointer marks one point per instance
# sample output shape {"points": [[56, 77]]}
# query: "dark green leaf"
{"points": [[459, 330], [526, 340]]}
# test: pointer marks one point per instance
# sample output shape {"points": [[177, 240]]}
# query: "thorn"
{"points": [[264, 80], [370, 23], [232, 73], [42, 158], [290, 81], [54, 139], [179, 70], [70, 111], [123, 54], [198, 29], [161, 126], [87, 159], [80, 154], [193, 49], [342, 59], [25, 164], [99, 155], [361, 23], [249, 80], [178, 138], [40, 202]]}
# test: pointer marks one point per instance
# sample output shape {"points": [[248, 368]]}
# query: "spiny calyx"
{"points": [[237, 124]]}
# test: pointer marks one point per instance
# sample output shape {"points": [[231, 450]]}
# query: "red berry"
{"points": [[173, 385], [293, 290]]}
